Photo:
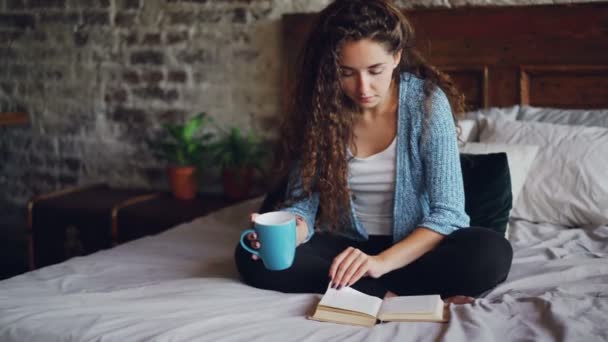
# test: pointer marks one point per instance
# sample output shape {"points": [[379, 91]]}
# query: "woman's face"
{"points": [[366, 69]]}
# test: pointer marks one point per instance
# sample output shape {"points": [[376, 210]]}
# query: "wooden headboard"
{"points": [[547, 55]]}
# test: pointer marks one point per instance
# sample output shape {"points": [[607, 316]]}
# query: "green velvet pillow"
{"points": [[487, 189]]}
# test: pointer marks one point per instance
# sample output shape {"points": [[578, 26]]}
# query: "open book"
{"points": [[350, 306]]}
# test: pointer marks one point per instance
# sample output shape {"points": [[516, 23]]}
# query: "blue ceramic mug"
{"points": [[276, 232]]}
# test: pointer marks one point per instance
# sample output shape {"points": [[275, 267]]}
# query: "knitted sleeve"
{"points": [[443, 175], [307, 207]]}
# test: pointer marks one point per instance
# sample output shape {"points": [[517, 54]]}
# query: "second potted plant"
{"points": [[238, 155]]}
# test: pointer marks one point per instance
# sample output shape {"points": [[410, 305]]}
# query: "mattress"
{"points": [[182, 285]]}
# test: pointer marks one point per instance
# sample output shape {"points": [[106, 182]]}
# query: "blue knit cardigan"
{"points": [[428, 180]]}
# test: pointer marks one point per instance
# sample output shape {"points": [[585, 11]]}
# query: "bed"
{"points": [[182, 284]]}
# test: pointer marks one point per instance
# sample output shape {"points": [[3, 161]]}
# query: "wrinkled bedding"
{"points": [[182, 285]]}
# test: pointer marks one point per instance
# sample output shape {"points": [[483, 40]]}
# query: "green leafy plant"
{"points": [[236, 150], [185, 144]]}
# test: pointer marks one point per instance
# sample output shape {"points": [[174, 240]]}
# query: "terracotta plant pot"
{"points": [[237, 182], [183, 181]]}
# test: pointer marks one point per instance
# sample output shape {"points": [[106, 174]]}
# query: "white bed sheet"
{"points": [[182, 285]]}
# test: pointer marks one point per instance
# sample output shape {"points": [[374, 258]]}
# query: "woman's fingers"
{"points": [[342, 264], [253, 237], [334, 265], [253, 241], [356, 270], [361, 271], [256, 245]]}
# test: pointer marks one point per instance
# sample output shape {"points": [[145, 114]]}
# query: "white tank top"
{"points": [[372, 181]]}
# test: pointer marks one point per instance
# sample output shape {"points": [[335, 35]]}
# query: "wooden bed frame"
{"points": [[546, 55]]}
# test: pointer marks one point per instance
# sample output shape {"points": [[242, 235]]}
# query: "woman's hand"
{"points": [[301, 233], [352, 264]]}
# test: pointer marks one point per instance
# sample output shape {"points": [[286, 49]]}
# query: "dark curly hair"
{"points": [[319, 123]]}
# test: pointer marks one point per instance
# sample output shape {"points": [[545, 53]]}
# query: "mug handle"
{"points": [[244, 245]]}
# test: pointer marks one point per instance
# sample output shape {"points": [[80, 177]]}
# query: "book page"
{"points": [[411, 304], [348, 298]]}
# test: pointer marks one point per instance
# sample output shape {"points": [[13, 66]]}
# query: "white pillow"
{"points": [[468, 130], [479, 116], [578, 117], [507, 113], [520, 158], [582, 117], [568, 182]]}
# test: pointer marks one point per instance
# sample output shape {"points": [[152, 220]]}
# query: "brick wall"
{"points": [[98, 76]]}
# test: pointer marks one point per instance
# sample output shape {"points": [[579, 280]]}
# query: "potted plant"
{"points": [[238, 155], [184, 146]]}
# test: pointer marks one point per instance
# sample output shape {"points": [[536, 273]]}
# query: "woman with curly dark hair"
{"points": [[370, 147]]}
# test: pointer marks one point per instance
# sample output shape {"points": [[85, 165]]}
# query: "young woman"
{"points": [[370, 145]]}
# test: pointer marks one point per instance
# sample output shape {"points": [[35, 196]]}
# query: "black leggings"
{"points": [[467, 262]]}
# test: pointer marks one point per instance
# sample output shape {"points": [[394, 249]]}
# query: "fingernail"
{"points": [[339, 287]]}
